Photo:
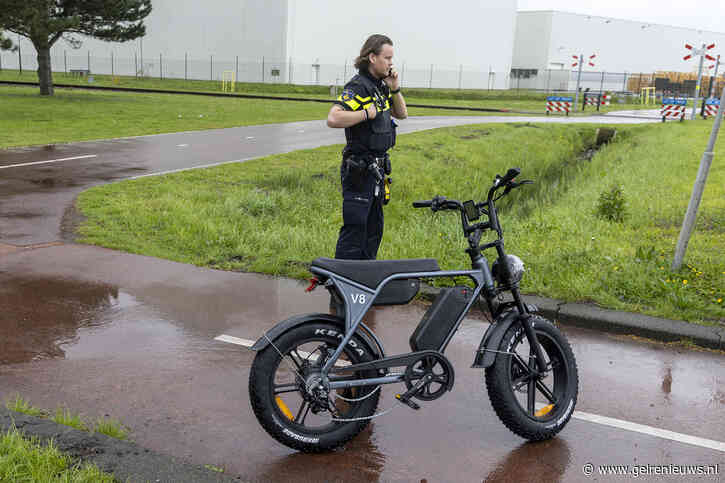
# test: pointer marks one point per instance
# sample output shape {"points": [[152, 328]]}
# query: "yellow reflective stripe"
{"points": [[387, 105], [352, 104], [362, 99], [365, 106]]}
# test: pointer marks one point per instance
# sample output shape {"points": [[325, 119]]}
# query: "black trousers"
{"points": [[362, 217]]}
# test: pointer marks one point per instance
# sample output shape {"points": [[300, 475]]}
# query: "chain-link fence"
{"points": [[667, 83], [265, 70], [292, 71]]}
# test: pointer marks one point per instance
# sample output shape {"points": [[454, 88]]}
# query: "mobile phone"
{"points": [[390, 72]]}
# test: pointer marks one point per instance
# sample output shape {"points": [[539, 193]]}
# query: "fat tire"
{"points": [[503, 399], [262, 375]]}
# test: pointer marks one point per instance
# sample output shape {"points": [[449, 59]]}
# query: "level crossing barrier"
{"points": [[673, 108], [711, 107], [558, 104]]}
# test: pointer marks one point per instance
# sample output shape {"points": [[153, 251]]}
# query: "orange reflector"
{"points": [[283, 407], [543, 411]]}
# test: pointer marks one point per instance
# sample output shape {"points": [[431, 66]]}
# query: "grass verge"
{"points": [[26, 459], [104, 425], [276, 214]]}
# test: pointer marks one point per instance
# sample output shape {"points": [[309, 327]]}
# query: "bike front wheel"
{"points": [[534, 406], [288, 396]]}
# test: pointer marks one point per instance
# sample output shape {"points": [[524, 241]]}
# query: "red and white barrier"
{"points": [[673, 111], [606, 99], [710, 110], [558, 104]]}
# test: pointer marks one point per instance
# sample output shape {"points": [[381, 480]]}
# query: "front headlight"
{"points": [[516, 268]]}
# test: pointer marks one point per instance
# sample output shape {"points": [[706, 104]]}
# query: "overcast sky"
{"points": [[698, 14]]}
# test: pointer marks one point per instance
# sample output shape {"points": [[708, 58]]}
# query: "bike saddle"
{"points": [[371, 272]]}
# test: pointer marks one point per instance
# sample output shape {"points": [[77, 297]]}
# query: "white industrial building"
{"points": [[546, 42], [467, 43]]}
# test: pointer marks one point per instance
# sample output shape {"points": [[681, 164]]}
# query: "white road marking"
{"points": [[644, 429], [49, 161], [641, 428], [170, 171], [250, 137], [182, 145], [249, 343]]}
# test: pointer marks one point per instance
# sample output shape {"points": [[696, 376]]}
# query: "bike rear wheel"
{"points": [[286, 396], [534, 407]]}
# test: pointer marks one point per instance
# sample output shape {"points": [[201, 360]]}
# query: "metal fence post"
{"points": [[20, 57], [65, 61], [236, 71], [460, 74], [624, 82], [289, 71], [430, 82], [211, 67], [186, 67], [161, 67], [89, 61], [135, 65], [113, 74], [344, 75], [262, 69], [1, 62], [548, 81]]}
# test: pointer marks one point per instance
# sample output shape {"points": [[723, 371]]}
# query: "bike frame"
{"points": [[354, 312]]}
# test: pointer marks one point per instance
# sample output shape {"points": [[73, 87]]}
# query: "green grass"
{"points": [[73, 115], [65, 417], [28, 460], [104, 425], [276, 214]]}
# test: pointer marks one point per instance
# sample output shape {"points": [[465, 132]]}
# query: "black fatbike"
{"points": [[315, 380]]}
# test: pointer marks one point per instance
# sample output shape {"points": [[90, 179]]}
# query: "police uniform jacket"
{"points": [[376, 136]]}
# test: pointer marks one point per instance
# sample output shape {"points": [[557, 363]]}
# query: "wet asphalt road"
{"points": [[104, 332]]}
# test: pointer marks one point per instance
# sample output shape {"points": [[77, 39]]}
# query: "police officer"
{"points": [[365, 109]]}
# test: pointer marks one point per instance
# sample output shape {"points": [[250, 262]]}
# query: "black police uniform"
{"points": [[364, 167]]}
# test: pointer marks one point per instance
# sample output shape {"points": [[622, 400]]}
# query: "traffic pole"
{"points": [[714, 78], [697, 190], [578, 80], [697, 86]]}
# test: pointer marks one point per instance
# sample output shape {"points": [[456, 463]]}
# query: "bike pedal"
{"points": [[407, 402]]}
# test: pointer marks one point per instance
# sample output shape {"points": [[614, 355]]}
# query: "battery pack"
{"points": [[440, 318]]}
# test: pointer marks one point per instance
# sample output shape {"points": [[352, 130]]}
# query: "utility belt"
{"points": [[359, 166]]}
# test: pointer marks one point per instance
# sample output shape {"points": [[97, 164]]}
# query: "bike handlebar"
{"points": [[423, 204], [510, 175]]}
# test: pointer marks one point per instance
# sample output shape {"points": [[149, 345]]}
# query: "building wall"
{"points": [[532, 40], [470, 33], [620, 45], [467, 43]]}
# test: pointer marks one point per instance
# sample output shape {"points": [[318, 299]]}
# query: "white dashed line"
{"points": [[49, 161]]}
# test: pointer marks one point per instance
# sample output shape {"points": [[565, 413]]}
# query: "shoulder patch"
{"points": [[347, 95]]}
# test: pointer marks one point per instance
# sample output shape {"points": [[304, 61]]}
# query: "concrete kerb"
{"points": [[125, 460], [589, 316]]}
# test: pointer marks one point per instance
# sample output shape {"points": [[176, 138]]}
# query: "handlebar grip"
{"points": [[423, 204], [510, 174]]}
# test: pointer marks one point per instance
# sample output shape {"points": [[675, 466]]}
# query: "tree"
{"points": [[44, 22]]}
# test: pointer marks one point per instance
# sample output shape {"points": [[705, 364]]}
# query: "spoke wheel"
{"points": [[289, 397], [533, 405]]}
